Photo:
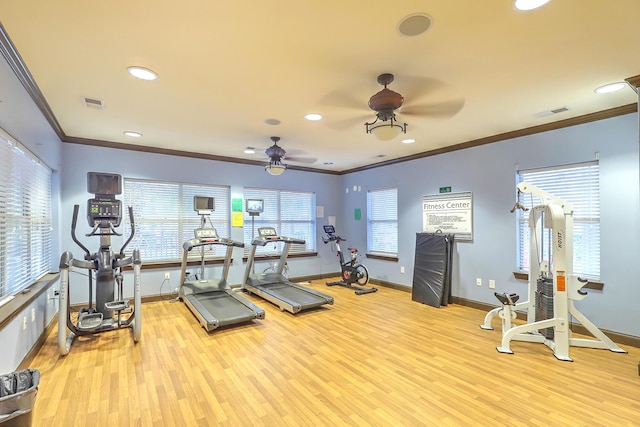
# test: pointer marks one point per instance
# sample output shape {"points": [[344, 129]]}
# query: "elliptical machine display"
{"points": [[111, 311], [352, 272]]}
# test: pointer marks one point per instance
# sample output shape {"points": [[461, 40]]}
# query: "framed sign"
{"points": [[449, 213]]}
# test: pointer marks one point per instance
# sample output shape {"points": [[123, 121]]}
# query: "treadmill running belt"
{"points": [[220, 308]]}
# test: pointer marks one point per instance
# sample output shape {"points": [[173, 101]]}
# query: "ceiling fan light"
{"points": [[275, 168], [386, 132]]}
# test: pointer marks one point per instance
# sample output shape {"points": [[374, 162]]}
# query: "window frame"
{"points": [[267, 219], [26, 226], [179, 221], [584, 193], [378, 215]]}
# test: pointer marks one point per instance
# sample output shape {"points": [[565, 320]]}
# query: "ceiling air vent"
{"points": [[551, 112], [96, 104]]}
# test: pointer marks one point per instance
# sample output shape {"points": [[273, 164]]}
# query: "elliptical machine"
{"points": [[104, 214], [352, 272]]}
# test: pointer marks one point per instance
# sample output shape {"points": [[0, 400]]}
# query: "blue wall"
{"points": [[80, 159], [489, 172], [21, 119]]}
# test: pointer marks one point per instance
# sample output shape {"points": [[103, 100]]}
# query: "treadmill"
{"points": [[274, 287], [212, 301]]}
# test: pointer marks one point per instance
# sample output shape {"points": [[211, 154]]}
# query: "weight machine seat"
{"points": [[507, 299]]}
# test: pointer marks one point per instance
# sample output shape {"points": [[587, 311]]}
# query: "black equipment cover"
{"points": [[432, 269]]}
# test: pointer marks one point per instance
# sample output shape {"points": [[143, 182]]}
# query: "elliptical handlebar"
{"points": [[133, 230], [74, 222]]}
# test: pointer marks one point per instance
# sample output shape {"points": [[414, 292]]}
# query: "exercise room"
{"points": [[333, 214]]}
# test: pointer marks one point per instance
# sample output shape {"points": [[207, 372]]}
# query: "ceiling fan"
{"points": [[387, 103], [277, 154]]}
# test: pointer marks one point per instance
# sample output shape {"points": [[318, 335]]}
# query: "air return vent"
{"points": [[551, 112], [96, 104]]}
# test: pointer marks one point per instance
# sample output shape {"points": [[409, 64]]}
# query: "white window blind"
{"points": [[382, 222], [291, 213], [25, 217], [577, 184], [165, 219]]}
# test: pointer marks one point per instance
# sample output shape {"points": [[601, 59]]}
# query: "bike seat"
{"points": [[352, 250]]}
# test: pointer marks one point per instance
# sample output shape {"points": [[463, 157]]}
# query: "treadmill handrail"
{"points": [[265, 240], [195, 243]]}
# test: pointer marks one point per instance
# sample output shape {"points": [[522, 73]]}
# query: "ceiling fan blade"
{"points": [[437, 109], [415, 88], [338, 98], [300, 159]]}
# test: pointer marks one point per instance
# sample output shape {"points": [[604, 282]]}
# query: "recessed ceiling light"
{"points": [[408, 141], [328, 163], [132, 134], [313, 117], [142, 73], [249, 150], [530, 4], [611, 87]]}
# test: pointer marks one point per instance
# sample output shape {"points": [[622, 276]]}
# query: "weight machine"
{"points": [[552, 285]]}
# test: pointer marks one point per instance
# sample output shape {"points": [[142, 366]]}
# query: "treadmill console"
{"points": [[205, 233], [267, 232]]}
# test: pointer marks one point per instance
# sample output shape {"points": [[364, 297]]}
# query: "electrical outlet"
{"points": [[402, 269], [24, 323], [33, 314], [492, 284], [167, 276], [479, 281]]}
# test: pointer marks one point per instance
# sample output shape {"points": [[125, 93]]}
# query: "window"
{"points": [[291, 213], [382, 222], [577, 184], [165, 219], [25, 217]]}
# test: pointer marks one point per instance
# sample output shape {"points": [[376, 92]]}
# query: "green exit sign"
{"points": [[445, 189]]}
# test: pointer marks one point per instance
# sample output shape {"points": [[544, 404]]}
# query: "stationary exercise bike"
{"points": [[352, 272]]}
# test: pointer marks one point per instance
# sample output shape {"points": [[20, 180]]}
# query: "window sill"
{"points": [[11, 309], [277, 256], [174, 264], [382, 257], [591, 284]]}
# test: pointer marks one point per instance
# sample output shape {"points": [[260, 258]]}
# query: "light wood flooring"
{"points": [[369, 360]]}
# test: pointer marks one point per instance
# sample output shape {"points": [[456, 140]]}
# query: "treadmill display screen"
{"points": [[267, 231]]}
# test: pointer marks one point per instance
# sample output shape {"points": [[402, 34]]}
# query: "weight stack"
{"points": [[544, 304]]}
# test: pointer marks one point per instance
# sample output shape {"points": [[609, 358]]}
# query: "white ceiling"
{"points": [[226, 67]]}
